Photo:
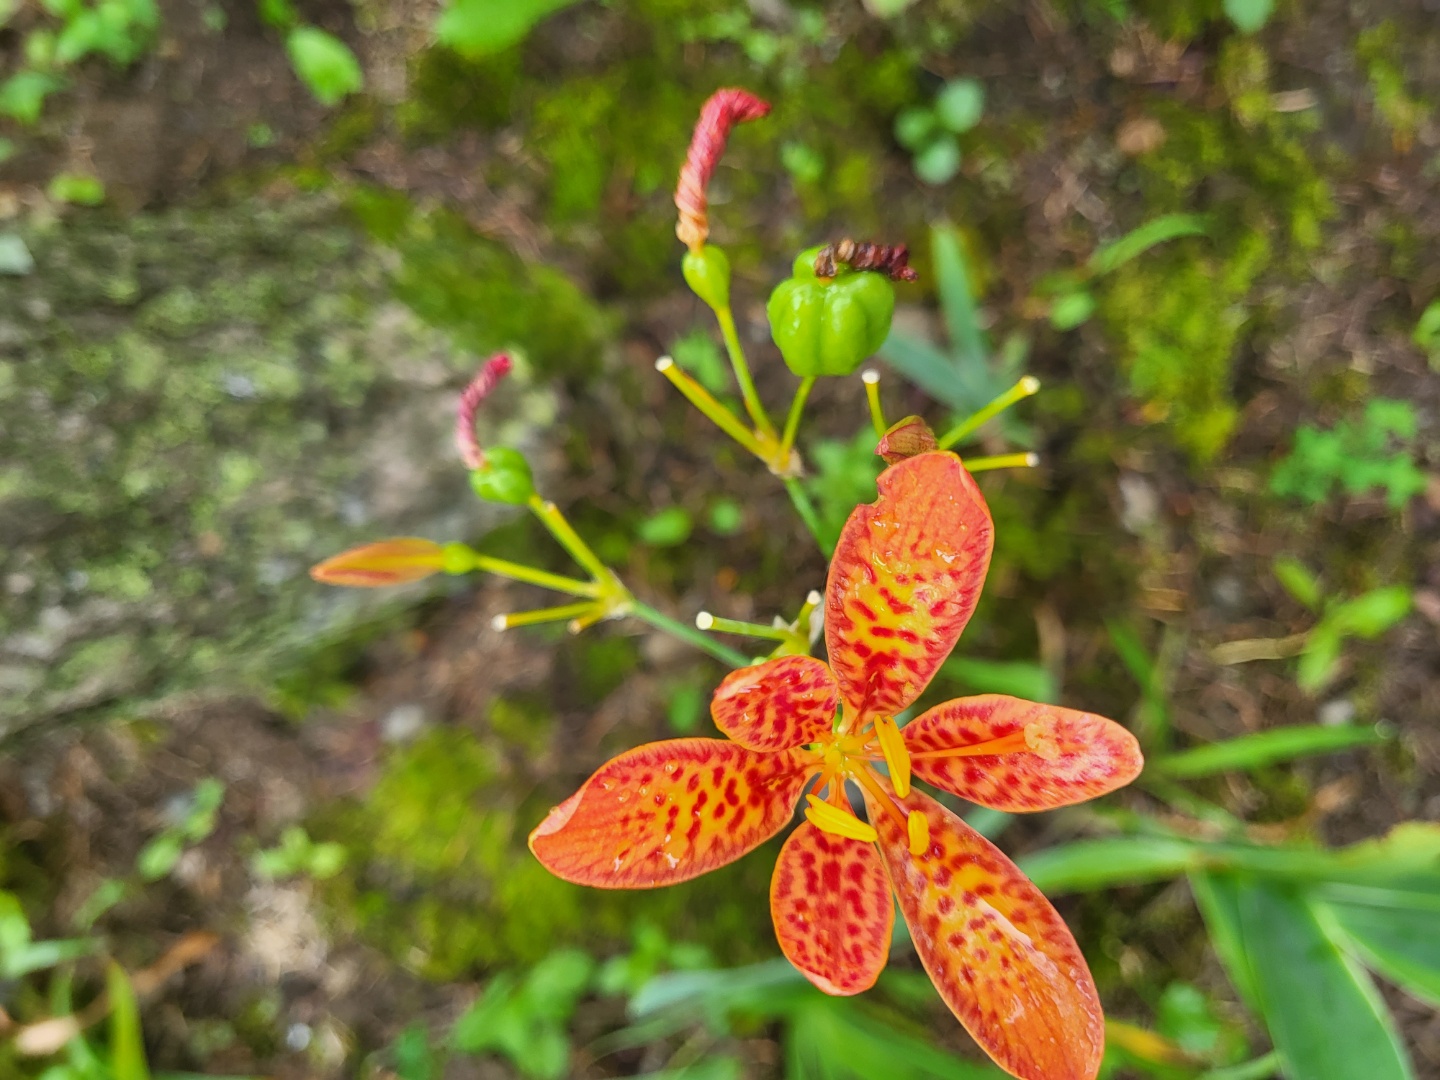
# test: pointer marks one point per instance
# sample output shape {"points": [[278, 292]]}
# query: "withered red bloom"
{"points": [[903, 583], [721, 112], [385, 562]]}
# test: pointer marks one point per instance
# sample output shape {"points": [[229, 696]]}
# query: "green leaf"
{"points": [[932, 371], [960, 104], [22, 96], [1370, 614], [479, 28], [1296, 579], [1072, 310], [666, 528], [15, 257], [957, 305], [1022, 679], [1086, 865], [77, 189], [1249, 15], [1217, 895], [413, 1056], [1324, 1014], [939, 161], [1427, 330], [324, 63], [1138, 241], [1398, 941], [159, 856], [1265, 748], [1319, 659], [914, 126], [127, 1048]]}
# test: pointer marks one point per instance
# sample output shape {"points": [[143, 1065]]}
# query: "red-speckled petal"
{"points": [[999, 954], [777, 705], [833, 913], [670, 811], [1068, 757], [904, 581]]}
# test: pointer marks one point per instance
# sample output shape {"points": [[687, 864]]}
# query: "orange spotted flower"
{"points": [[903, 583]]}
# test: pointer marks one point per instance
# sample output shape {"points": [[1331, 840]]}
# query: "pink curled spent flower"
{"points": [[495, 369], [721, 112]]}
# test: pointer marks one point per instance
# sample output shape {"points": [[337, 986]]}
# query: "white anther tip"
{"points": [[1030, 384], [813, 598], [665, 363], [499, 622], [704, 620], [870, 376], [574, 626], [1031, 460]]}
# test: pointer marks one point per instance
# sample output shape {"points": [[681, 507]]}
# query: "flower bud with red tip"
{"points": [[385, 562]]}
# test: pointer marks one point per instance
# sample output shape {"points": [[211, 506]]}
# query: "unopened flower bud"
{"points": [[385, 562], [707, 272], [906, 438], [503, 476]]}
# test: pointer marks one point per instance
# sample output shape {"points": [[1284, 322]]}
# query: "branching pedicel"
{"points": [[904, 579]]}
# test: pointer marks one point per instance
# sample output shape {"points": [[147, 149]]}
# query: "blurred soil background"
{"points": [[245, 359]]}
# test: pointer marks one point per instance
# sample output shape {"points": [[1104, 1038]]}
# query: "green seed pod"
{"points": [[829, 326], [707, 272], [503, 477]]}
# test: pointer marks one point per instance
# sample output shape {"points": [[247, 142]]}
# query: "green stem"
{"points": [[706, 621], [792, 421], [689, 634], [1021, 390], [871, 379], [551, 517], [742, 373], [720, 416], [532, 576], [1003, 461], [806, 509]]}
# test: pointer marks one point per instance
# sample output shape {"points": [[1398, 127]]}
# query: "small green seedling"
{"points": [[1358, 456], [1249, 16], [322, 61], [1427, 333], [523, 1018], [196, 821], [1068, 294], [930, 132], [298, 854], [1366, 616]]}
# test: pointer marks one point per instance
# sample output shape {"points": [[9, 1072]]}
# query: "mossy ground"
{"points": [[200, 387]]}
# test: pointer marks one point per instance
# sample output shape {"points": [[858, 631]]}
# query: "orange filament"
{"points": [[867, 779], [1017, 742]]}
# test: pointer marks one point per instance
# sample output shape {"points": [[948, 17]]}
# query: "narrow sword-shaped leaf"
{"points": [[669, 811]]}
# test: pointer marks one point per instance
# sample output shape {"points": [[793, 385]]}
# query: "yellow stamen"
{"points": [[1003, 461], [832, 819], [897, 758], [919, 828]]}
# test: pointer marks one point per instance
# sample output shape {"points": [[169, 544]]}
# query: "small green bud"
{"points": [[459, 558], [707, 272], [503, 477]]}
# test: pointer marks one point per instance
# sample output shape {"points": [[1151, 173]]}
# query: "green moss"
{"points": [[1179, 315], [480, 292], [446, 885], [1379, 51]]}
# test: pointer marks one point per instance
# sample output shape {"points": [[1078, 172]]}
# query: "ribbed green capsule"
{"points": [[829, 326]]}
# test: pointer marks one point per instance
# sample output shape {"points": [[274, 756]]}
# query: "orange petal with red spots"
{"points": [[385, 562], [833, 913], [904, 581], [670, 811], [1044, 756], [999, 954], [782, 703]]}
